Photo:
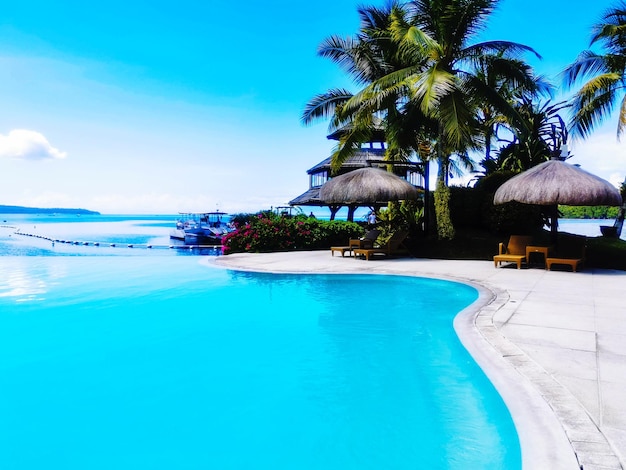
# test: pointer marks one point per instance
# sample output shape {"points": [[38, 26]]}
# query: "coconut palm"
{"points": [[446, 78], [606, 74], [443, 77], [498, 73], [365, 58], [419, 73], [542, 138]]}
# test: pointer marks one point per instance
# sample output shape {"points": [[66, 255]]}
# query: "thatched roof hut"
{"points": [[367, 186], [556, 182]]}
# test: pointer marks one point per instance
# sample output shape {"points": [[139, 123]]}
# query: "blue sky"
{"points": [[155, 107]]}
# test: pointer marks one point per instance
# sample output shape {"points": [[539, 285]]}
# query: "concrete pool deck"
{"points": [[552, 342]]}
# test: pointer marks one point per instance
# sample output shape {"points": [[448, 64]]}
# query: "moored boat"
{"points": [[201, 228]]}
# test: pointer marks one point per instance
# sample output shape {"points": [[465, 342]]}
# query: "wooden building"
{"points": [[370, 154]]}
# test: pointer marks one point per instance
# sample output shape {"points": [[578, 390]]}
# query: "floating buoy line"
{"points": [[18, 231]]}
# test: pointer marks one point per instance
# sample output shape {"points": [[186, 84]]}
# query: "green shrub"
{"points": [[466, 207], [492, 182], [267, 232], [512, 218], [473, 208]]}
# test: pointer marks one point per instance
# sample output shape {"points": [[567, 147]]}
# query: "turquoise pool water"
{"points": [[159, 362]]}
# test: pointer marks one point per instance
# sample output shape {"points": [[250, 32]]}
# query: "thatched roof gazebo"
{"points": [[366, 187], [555, 182], [368, 154]]}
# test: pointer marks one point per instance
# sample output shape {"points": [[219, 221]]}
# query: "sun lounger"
{"points": [[569, 253], [514, 251], [366, 241], [390, 248]]}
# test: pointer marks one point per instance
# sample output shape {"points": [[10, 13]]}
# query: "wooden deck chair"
{"points": [[366, 241], [570, 253], [514, 251], [388, 249]]}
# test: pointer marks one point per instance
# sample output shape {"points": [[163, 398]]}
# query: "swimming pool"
{"points": [[161, 362]]}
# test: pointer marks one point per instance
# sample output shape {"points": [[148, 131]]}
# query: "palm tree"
{"points": [[606, 72], [542, 138], [419, 73], [443, 77], [497, 73], [366, 57]]}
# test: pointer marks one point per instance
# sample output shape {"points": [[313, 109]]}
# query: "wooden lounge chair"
{"points": [[570, 253], [514, 251], [366, 241], [388, 249]]}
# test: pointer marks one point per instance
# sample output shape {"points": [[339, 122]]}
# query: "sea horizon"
{"points": [[142, 234]]}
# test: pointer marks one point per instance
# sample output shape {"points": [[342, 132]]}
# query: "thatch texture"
{"points": [[557, 182], [367, 186]]}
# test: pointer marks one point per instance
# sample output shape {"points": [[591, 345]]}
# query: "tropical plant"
{"points": [[543, 136], [267, 231], [366, 57], [419, 74], [606, 74]]}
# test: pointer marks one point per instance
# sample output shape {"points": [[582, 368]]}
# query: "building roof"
{"points": [[359, 160], [309, 198]]}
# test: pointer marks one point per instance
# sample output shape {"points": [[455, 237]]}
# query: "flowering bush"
{"points": [[265, 232]]}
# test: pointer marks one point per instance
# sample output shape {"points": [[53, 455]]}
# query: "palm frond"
{"points": [[587, 63], [612, 27], [457, 121], [324, 105], [359, 60], [429, 88], [621, 125], [350, 141], [594, 102], [504, 48]]}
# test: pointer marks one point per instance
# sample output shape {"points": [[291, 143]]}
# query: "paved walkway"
{"points": [[553, 343]]}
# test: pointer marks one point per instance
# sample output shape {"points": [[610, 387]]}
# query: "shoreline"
{"points": [[545, 339]]}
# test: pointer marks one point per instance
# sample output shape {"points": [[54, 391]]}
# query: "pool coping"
{"points": [[543, 410], [554, 428]]}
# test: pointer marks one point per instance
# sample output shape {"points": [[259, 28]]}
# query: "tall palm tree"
{"points": [[366, 57], [606, 74], [443, 77], [419, 73]]}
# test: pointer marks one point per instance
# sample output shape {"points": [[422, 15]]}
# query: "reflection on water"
{"points": [[26, 279]]}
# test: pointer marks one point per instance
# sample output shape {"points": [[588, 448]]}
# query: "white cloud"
{"points": [[27, 145], [603, 155]]}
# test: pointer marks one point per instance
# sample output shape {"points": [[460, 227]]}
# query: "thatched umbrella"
{"points": [[367, 187], [556, 182]]}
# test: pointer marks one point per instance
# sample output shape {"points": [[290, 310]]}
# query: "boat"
{"points": [[201, 228]]}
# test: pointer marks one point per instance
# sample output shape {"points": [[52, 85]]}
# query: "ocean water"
{"points": [[141, 358], [587, 227], [60, 235]]}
